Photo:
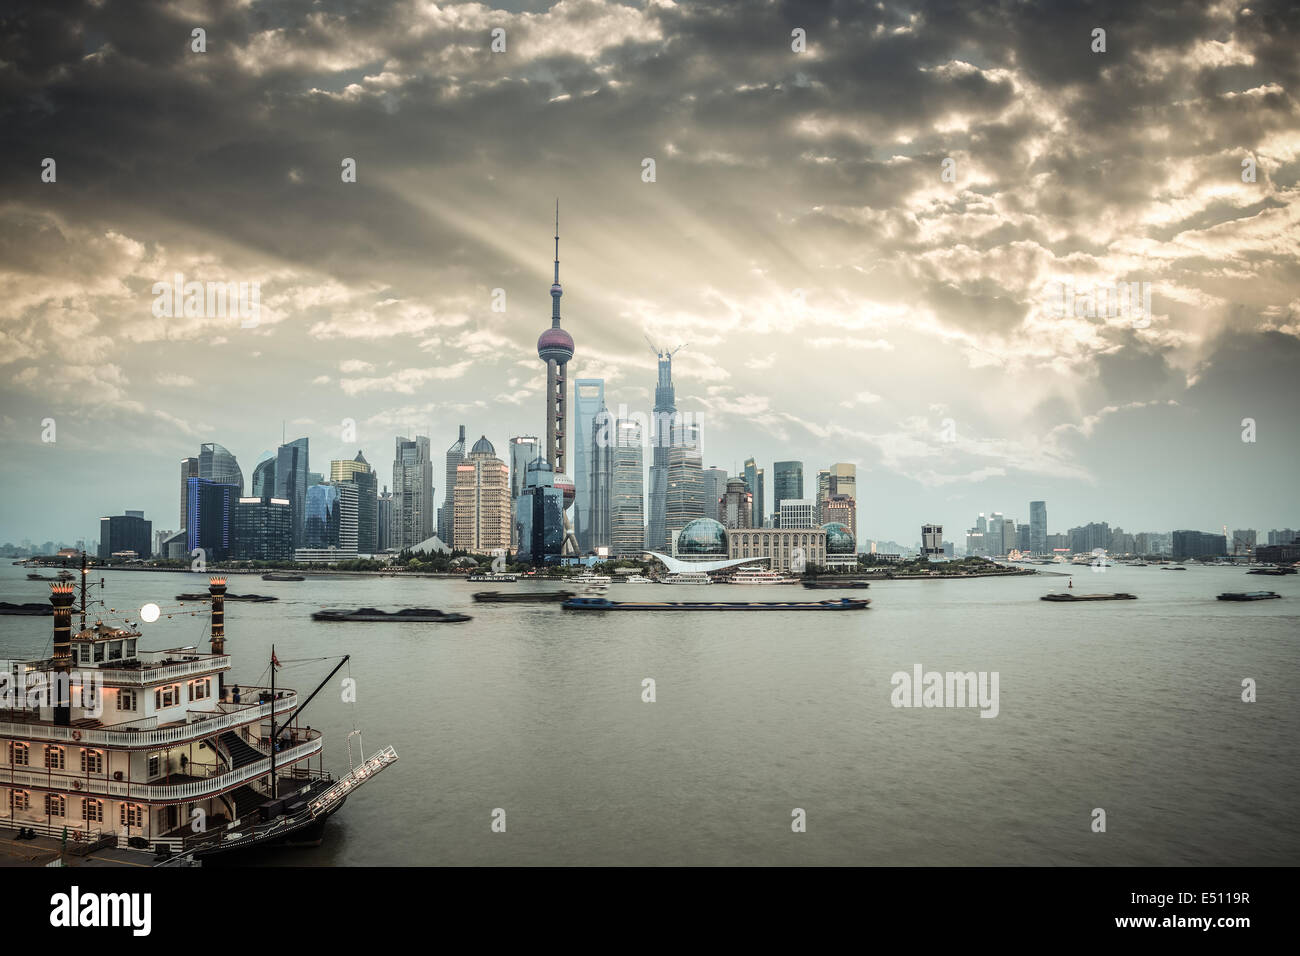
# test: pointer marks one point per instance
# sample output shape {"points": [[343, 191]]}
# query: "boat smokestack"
{"points": [[217, 589], [61, 693]]}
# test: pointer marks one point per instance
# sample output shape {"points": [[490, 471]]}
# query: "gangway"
{"points": [[355, 778]]}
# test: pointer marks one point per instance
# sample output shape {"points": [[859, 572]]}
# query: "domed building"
{"points": [[701, 539], [841, 546], [481, 502]]}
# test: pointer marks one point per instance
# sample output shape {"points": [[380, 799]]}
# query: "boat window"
{"points": [[99, 653]]}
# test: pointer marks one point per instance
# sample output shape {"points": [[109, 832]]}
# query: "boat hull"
{"points": [[589, 604]]}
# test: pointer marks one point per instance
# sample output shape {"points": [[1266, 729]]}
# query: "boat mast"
{"points": [[273, 787], [84, 572]]}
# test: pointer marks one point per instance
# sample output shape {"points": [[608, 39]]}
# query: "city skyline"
{"points": [[871, 308]]}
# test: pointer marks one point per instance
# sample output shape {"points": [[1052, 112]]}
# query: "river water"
{"points": [[1133, 707]]}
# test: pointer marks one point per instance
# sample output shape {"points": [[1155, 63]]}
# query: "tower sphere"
{"points": [[555, 344]]}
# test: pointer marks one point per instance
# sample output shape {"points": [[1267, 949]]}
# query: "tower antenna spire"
{"points": [[557, 239]]}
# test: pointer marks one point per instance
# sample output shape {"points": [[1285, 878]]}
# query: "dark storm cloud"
{"points": [[818, 172]]}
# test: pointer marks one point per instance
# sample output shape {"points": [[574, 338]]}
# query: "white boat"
{"points": [[636, 579], [760, 576], [592, 582], [688, 577]]}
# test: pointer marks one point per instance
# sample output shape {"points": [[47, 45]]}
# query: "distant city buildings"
{"points": [[600, 485], [539, 516], [523, 449], [384, 520], [754, 482], [684, 485], [209, 519], [786, 549]]}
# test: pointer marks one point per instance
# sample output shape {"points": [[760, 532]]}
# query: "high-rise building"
{"points": [[684, 491], [539, 516], [264, 478], [588, 400], [1038, 527], [291, 468], [627, 494], [787, 482], [664, 428], [218, 465], [447, 511], [323, 518], [263, 529], [384, 519], [159, 537], [823, 494], [842, 509], [209, 518], [189, 469], [1283, 536], [412, 492], [482, 501], [713, 482], [932, 541], [1022, 537], [844, 480], [129, 533], [601, 485], [1244, 541], [523, 449], [754, 482], [797, 513], [736, 509], [359, 473]]}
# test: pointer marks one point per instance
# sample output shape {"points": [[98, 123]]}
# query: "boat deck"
{"points": [[46, 849]]}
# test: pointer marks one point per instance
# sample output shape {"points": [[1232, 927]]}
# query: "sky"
{"points": [[856, 218]]}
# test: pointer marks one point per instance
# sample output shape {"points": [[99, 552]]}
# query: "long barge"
{"points": [[522, 597], [604, 604], [1067, 597], [1248, 596], [423, 615]]}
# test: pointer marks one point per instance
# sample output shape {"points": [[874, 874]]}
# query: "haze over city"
{"points": [[839, 300]]}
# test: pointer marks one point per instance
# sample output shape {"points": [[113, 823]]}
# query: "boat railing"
{"points": [[98, 786], [199, 724], [166, 669]]}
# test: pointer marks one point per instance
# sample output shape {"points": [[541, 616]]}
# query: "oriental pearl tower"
{"points": [[555, 348]]}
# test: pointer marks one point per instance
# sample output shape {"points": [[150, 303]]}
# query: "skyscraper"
{"points": [[291, 467], [482, 501], [1038, 527], [209, 517], [713, 482], [600, 485], [359, 473], [539, 515], [523, 449], [754, 482], [412, 492], [684, 487], [588, 400], [332, 518], [844, 480], [218, 465], [665, 418], [263, 529], [627, 494], [189, 469], [736, 510], [823, 494], [264, 478], [787, 482], [446, 513], [130, 532], [384, 519]]}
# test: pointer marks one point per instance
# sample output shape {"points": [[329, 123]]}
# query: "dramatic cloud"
{"points": [[846, 238]]}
